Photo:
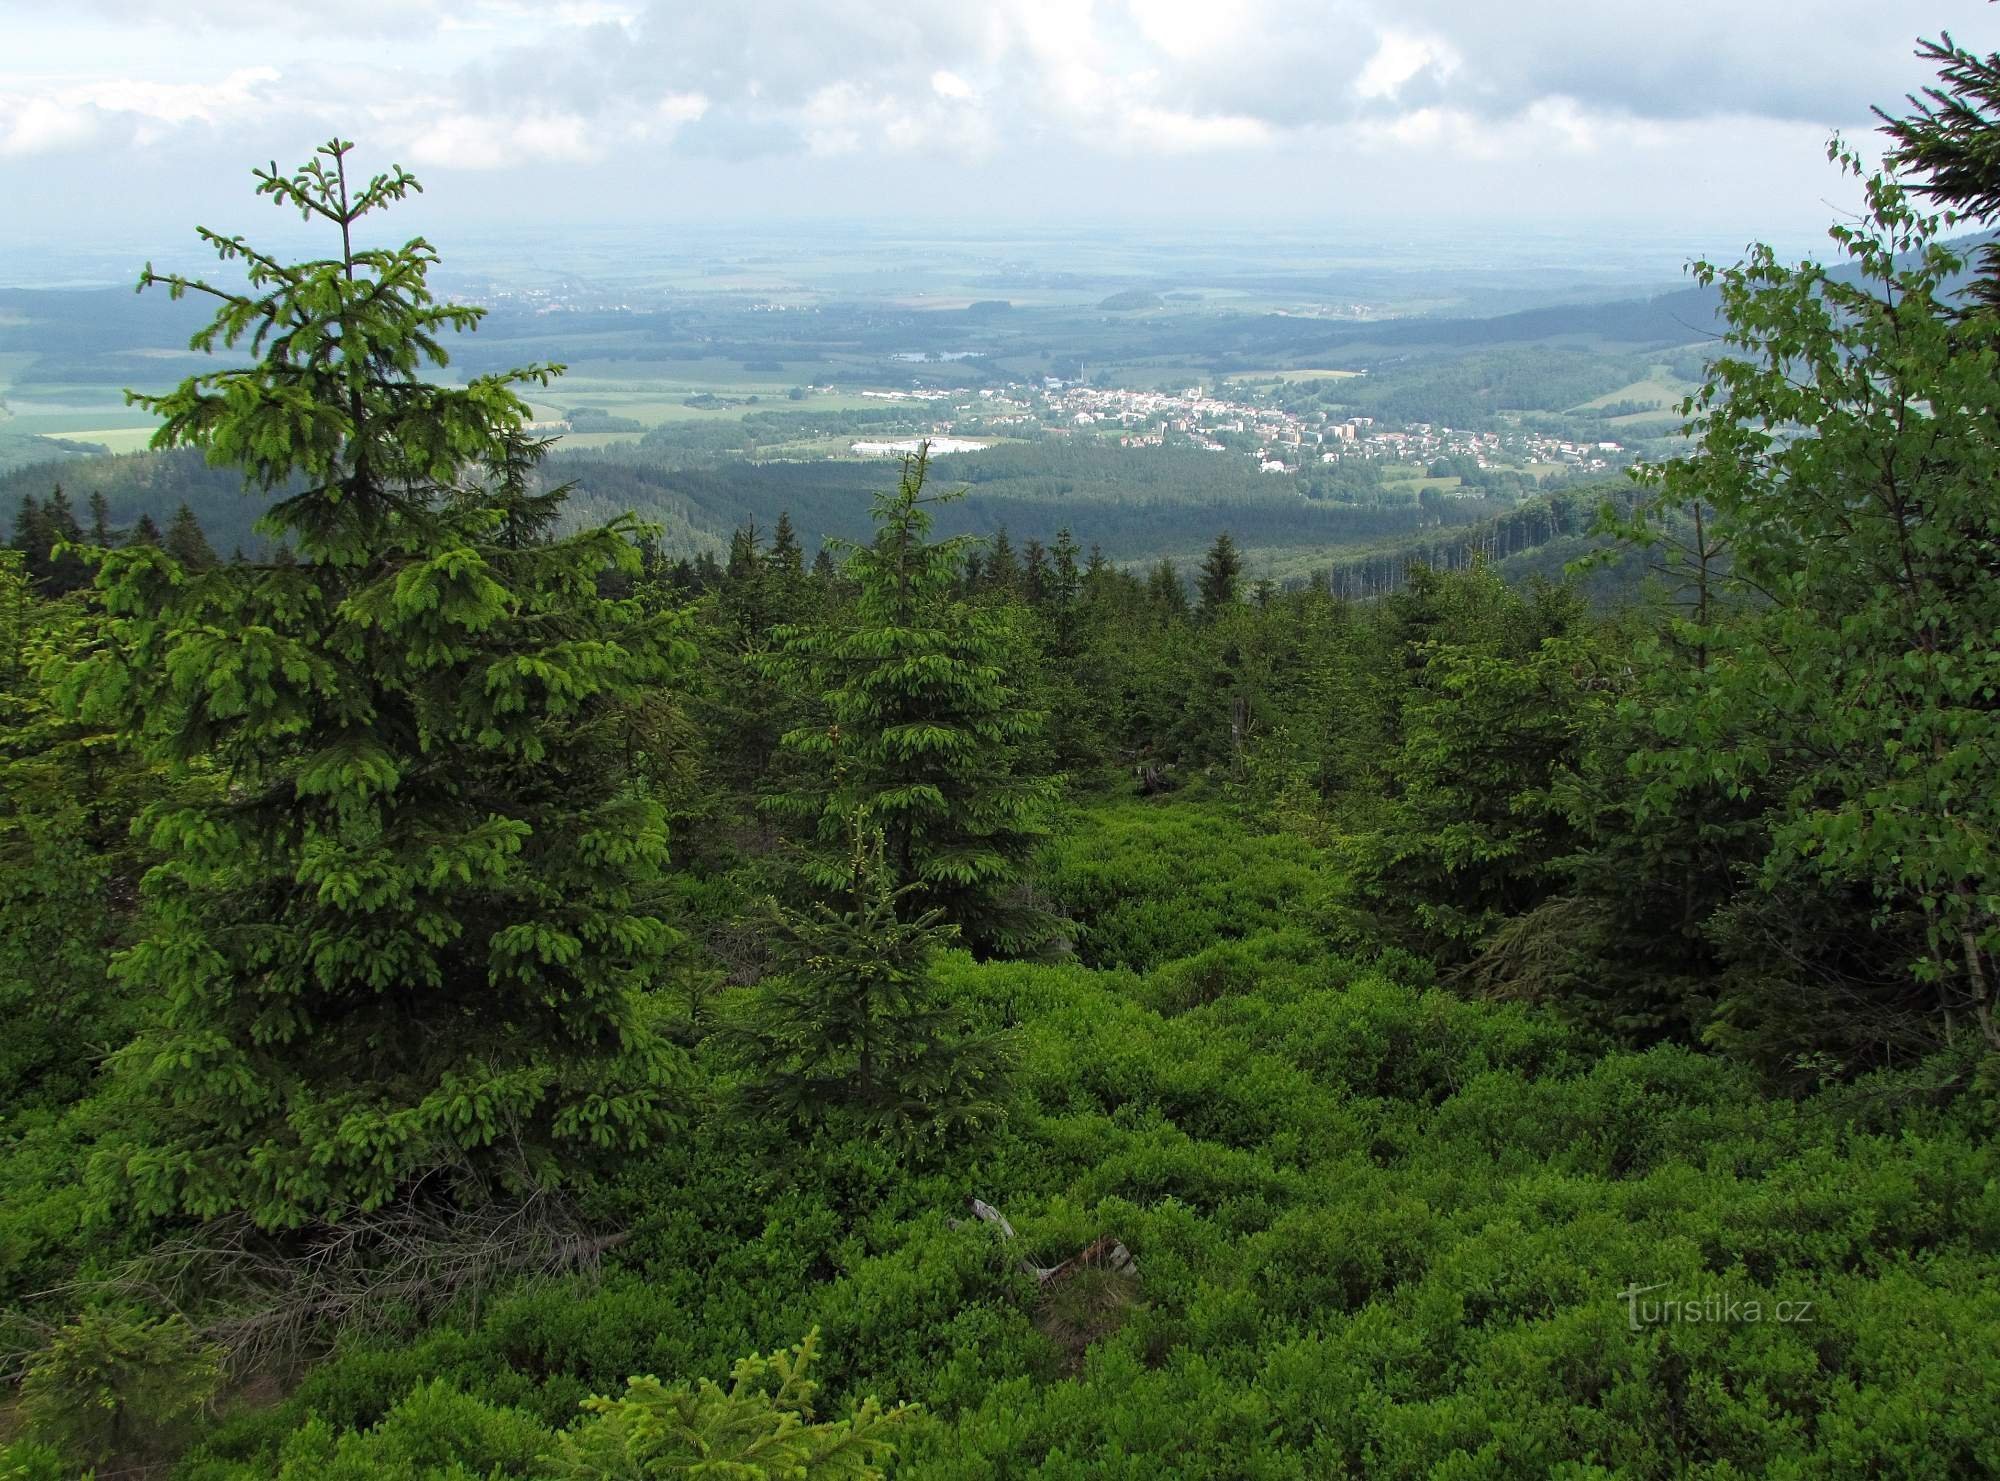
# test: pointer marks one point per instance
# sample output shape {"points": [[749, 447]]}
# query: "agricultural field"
{"points": [[1659, 389]]}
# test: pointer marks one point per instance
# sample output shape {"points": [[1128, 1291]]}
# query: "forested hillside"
{"points": [[492, 992]]}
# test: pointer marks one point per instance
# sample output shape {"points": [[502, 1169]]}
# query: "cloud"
{"points": [[44, 125], [950, 85], [130, 111], [1113, 76], [1398, 58], [804, 76], [1078, 102]]}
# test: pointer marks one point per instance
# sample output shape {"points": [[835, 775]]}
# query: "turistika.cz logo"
{"points": [[1711, 1308]]}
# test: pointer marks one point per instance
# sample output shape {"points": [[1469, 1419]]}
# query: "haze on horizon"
{"points": [[123, 121]]}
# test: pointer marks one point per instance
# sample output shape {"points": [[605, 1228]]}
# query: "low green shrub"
{"points": [[1379, 1230], [119, 1385]]}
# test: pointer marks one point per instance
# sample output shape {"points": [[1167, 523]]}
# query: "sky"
{"points": [[124, 118]]}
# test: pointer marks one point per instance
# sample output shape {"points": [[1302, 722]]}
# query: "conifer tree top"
{"points": [[339, 346]]}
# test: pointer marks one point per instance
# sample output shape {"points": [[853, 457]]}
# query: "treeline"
{"points": [[49, 539], [1134, 506], [148, 486]]}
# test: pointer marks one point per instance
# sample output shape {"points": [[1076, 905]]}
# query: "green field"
{"points": [[1658, 385]]}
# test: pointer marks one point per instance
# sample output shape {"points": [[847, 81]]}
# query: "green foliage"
{"points": [[918, 725], [1477, 1196], [1221, 569], [1843, 448], [1147, 884], [1379, 1230], [436, 1432], [408, 927], [852, 1028], [760, 1426], [186, 543], [68, 793], [1497, 702], [116, 1385]]}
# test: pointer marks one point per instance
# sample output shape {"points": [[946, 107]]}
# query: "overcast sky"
{"points": [[129, 117]]}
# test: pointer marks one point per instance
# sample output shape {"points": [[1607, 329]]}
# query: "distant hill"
{"points": [[148, 483], [1136, 505], [1132, 298], [24, 449]]}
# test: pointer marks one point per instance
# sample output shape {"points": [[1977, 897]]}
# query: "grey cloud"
{"points": [[1288, 64], [1739, 86], [760, 52], [1819, 64], [348, 17]]}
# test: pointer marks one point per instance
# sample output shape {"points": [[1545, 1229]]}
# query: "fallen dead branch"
{"points": [[271, 1301], [1104, 1254], [1082, 1299]]}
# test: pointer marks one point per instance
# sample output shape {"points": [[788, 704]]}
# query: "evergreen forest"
{"points": [[487, 997]]}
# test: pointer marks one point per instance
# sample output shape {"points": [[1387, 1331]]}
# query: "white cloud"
{"points": [[1174, 132], [1186, 29], [950, 85], [679, 108], [459, 140], [484, 141], [1397, 59], [133, 111], [848, 118], [43, 125]]}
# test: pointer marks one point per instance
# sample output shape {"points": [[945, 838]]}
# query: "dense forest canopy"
{"points": [[495, 992]]}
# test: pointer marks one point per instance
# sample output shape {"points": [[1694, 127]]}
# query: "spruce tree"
{"points": [[62, 571], [31, 537], [850, 1027], [1035, 577], [920, 726], [102, 534], [186, 542], [145, 532], [785, 553], [786, 563], [1946, 143], [400, 941], [527, 513], [1003, 570], [1220, 571], [1072, 687], [743, 707], [742, 601], [1065, 595]]}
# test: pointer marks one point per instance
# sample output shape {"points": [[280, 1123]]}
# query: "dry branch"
{"points": [[270, 1302]]}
